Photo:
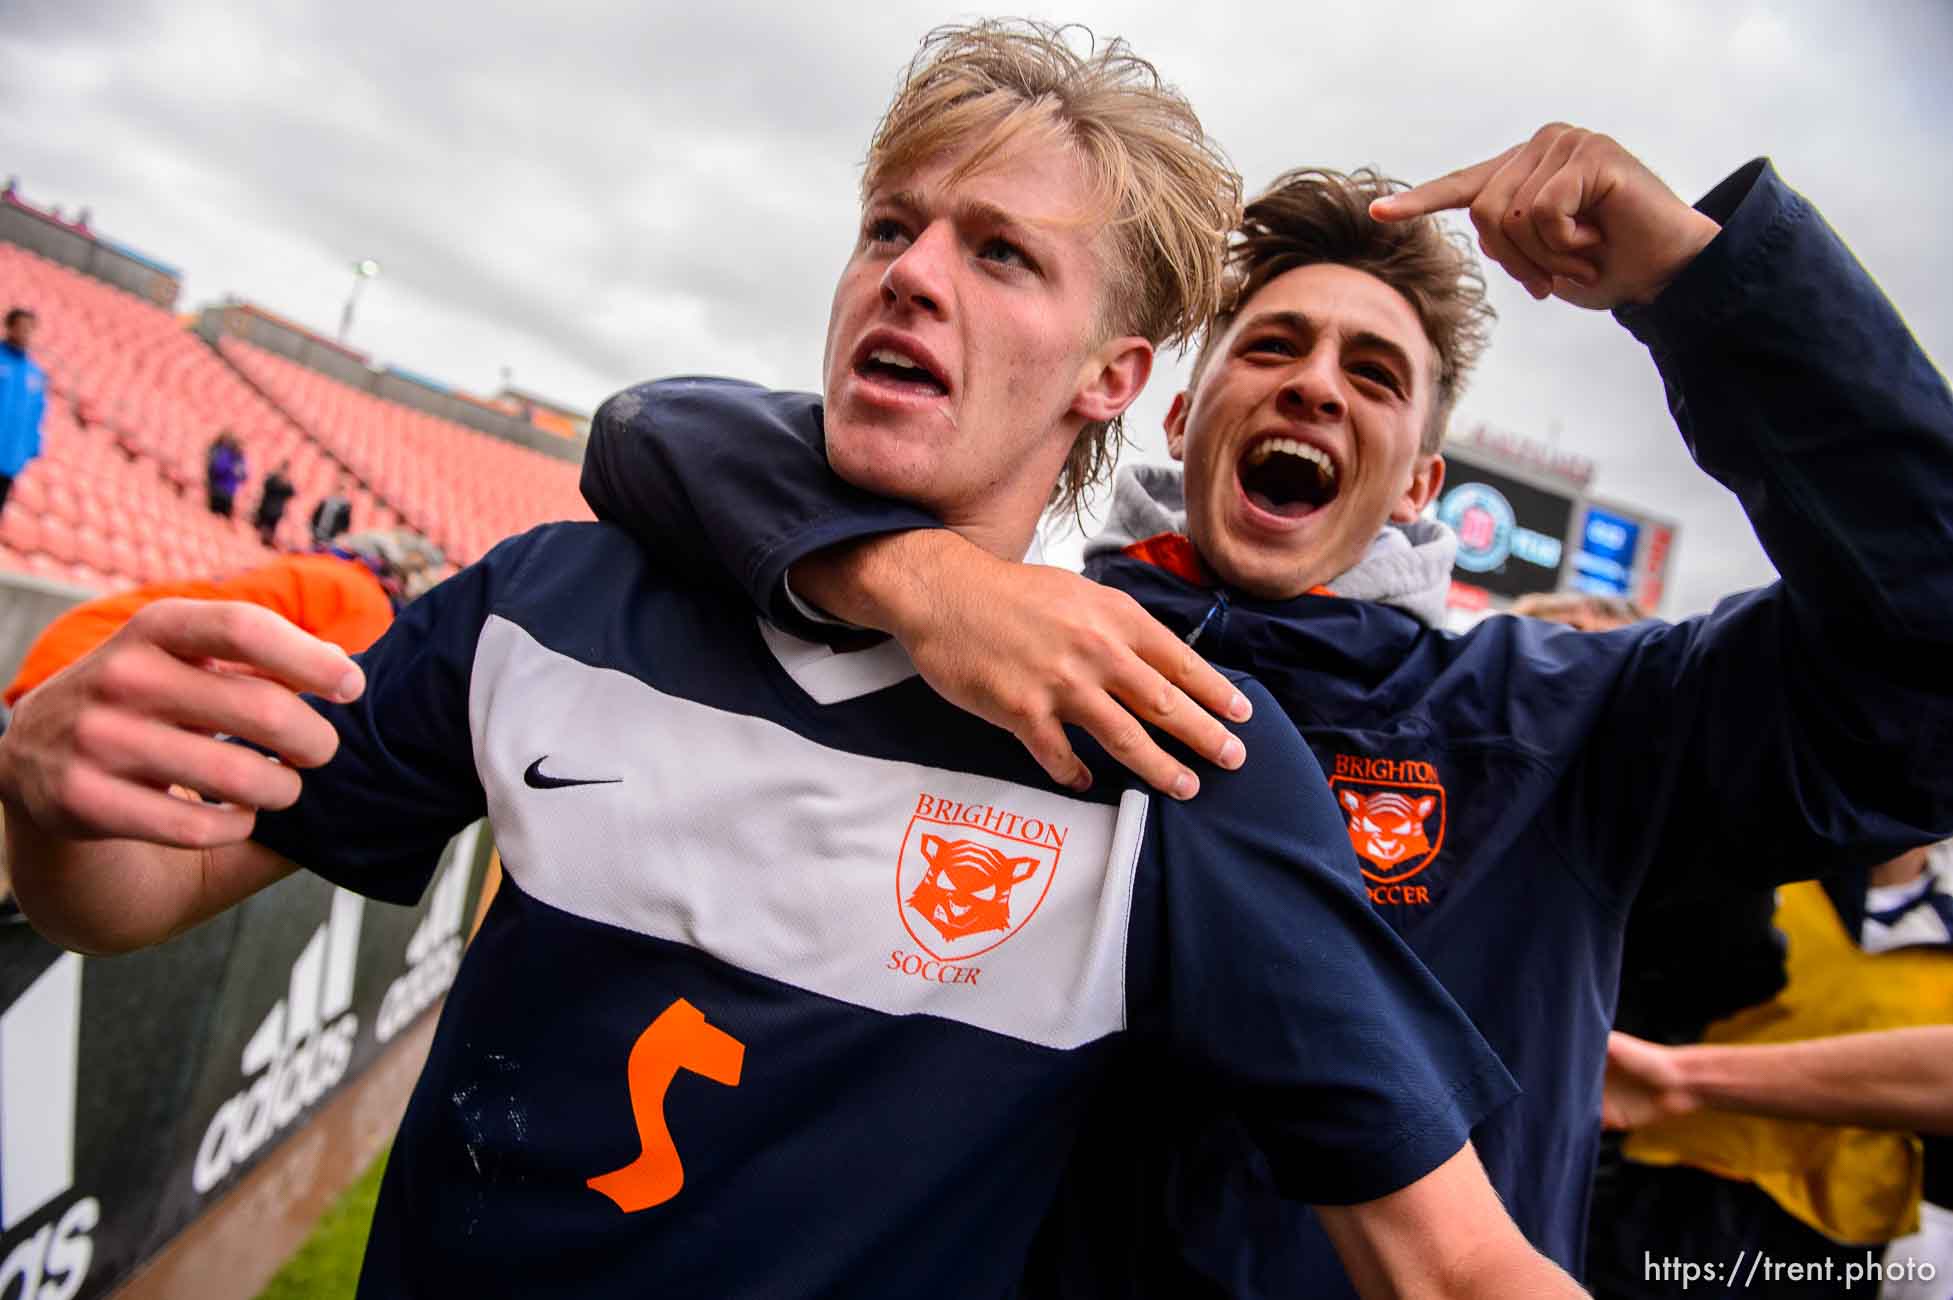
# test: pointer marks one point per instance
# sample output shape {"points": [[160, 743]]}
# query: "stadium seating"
{"points": [[134, 402], [464, 489], [118, 497]]}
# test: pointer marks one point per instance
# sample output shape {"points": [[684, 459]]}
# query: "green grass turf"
{"points": [[326, 1267]]}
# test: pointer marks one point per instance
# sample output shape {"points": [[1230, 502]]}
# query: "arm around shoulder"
{"points": [[730, 480]]}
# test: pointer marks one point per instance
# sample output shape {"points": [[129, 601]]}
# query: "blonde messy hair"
{"points": [[1171, 194]]}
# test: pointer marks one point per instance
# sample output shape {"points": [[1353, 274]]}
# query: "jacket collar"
{"points": [[1408, 566]]}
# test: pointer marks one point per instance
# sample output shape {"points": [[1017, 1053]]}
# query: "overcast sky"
{"points": [[594, 194]]}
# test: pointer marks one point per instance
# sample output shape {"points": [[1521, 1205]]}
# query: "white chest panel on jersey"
{"points": [[895, 886]]}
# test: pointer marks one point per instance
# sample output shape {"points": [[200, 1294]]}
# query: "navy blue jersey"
{"points": [[801, 982], [1510, 791]]}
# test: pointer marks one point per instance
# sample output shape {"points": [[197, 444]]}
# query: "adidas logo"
{"points": [[303, 1048], [434, 951], [40, 1037]]}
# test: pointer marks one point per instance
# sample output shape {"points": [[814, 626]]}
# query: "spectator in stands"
{"points": [[23, 398], [1513, 790], [333, 514], [278, 492], [641, 744], [1753, 1140], [1584, 610], [224, 472]]}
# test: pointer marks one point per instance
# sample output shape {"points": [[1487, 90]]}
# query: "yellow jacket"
{"points": [[1857, 1186]]}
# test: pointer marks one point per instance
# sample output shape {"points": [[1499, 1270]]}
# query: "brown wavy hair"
{"points": [[1312, 215]]}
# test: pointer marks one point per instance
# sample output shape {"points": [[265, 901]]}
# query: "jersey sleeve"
{"points": [[1807, 727], [1259, 961], [403, 780], [730, 483]]}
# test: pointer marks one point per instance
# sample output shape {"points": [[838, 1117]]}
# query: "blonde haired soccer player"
{"points": [[800, 982]]}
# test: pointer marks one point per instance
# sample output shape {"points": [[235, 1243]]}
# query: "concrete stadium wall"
{"points": [[409, 389], [91, 256], [241, 320], [28, 604]]}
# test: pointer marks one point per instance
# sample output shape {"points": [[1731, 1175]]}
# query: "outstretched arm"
{"points": [[1893, 1078], [1798, 730], [105, 858], [732, 481]]}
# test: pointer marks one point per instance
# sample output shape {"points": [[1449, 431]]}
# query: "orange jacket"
{"points": [[337, 600]]}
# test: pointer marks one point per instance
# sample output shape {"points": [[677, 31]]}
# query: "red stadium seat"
{"points": [[122, 558], [58, 540], [61, 502], [19, 529], [83, 575], [93, 550], [29, 491]]}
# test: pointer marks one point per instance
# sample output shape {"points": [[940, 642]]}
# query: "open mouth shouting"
{"points": [[1287, 478], [899, 369]]}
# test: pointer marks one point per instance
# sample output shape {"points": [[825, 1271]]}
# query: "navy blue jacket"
{"points": [[1801, 729]]}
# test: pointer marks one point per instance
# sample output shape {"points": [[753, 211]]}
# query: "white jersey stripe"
{"points": [[821, 875]]}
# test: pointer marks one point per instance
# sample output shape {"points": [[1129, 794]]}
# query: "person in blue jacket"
{"points": [[1510, 791], [23, 399]]}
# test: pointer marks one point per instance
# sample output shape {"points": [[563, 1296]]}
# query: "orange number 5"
{"points": [[679, 1039]]}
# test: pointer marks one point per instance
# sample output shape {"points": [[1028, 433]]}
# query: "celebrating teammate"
{"points": [[1510, 791], [801, 981]]}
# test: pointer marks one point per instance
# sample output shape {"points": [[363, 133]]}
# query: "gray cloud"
{"points": [[594, 194]]}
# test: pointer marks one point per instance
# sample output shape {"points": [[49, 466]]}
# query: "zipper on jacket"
{"points": [[1215, 615]]}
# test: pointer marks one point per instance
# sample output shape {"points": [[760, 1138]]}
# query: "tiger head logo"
{"points": [[1386, 827], [966, 887]]}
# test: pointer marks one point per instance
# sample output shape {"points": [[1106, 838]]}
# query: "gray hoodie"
{"points": [[1408, 565]]}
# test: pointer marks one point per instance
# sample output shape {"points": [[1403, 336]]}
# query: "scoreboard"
{"points": [[1621, 551], [1512, 523], [1524, 526]]}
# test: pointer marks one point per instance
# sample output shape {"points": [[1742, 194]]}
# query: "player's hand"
{"points": [[94, 751], [1032, 648], [1643, 1084], [1571, 214]]}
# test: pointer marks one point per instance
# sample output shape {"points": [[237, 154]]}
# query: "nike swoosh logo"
{"points": [[534, 777]]}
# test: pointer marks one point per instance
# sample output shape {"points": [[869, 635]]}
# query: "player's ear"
{"points": [[1427, 480], [1112, 377], [1176, 426]]}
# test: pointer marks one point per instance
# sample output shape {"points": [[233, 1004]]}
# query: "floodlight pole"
{"points": [[363, 271]]}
